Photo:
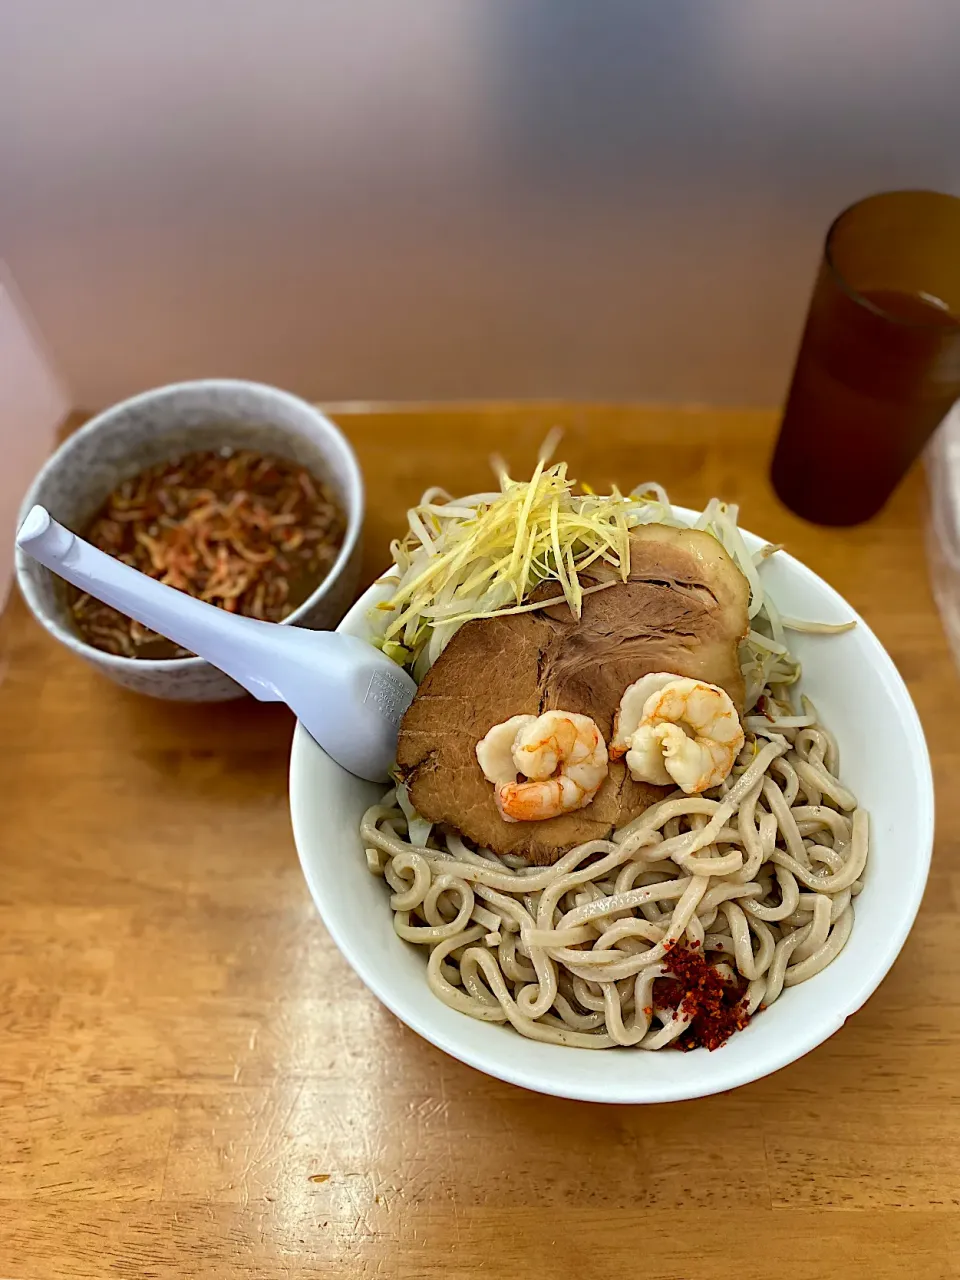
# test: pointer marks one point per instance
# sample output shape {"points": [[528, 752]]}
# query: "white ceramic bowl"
{"points": [[884, 760], [163, 424]]}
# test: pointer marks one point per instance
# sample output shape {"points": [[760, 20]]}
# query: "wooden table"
{"points": [[194, 1084]]}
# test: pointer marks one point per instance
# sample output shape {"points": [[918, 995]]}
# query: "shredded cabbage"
{"points": [[483, 555], [418, 829]]}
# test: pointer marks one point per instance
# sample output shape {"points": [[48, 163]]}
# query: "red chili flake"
{"points": [[716, 1006]]}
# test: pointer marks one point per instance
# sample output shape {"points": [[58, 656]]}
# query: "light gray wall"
{"points": [[452, 198]]}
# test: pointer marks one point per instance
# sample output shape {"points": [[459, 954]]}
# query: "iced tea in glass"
{"points": [[879, 363]]}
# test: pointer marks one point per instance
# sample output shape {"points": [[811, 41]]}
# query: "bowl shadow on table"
{"points": [[531, 1155], [231, 751]]}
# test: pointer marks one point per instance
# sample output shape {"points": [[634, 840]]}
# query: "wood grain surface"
{"points": [[194, 1084]]}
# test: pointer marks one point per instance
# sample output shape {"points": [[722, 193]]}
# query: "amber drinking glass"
{"points": [[879, 364]]}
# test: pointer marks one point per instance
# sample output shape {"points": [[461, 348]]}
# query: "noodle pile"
{"points": [[758, 875]]}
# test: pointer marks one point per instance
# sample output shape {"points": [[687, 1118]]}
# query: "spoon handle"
{"points": [[347, 694], [231, 642]]}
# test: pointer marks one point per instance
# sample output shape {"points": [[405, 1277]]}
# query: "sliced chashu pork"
{"points": [[683, 610]]}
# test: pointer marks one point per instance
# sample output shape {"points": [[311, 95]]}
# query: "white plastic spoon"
{"points": [[345, 692]]}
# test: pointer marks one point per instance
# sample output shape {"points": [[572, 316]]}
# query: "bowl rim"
{"points": [[791, 1049], [334, 437]]}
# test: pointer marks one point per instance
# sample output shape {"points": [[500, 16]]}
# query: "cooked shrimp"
{"points": [[687, 732], [561, 753], [627, 719], [495, 750]]}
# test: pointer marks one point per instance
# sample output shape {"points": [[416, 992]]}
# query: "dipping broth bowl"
{"points": [[162, 425]]}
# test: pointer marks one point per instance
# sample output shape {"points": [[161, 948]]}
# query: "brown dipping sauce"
{"points": [[246, 532]]}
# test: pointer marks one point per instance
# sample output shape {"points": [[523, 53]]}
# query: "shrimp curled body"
{"points": [[562, 756], [675, 730]]}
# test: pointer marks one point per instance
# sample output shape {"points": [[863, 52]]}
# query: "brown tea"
{"points": [[873, 380], [879, 364]]}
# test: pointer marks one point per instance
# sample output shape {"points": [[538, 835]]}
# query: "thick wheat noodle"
{"points": [[761, 874], [789, 775]]}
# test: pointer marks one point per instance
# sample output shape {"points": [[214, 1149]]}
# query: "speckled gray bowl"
{"points": [[163, 424]]}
